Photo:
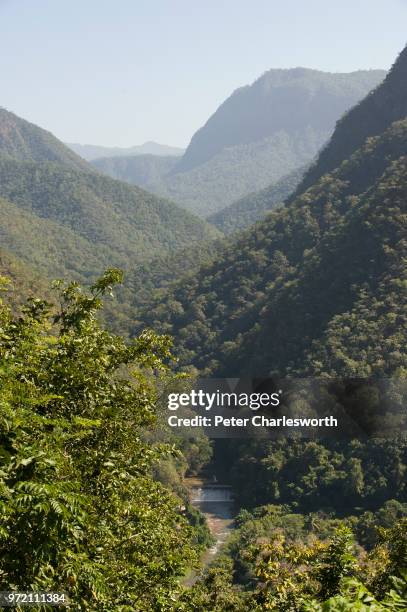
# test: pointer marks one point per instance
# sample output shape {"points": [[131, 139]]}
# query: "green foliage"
{"points": [[25, 141], [309, 564], [253, 308], [241, 150], [320, 475], [336, 563], [216, 592], [253, 207], [87, 221], [141, 170], [372, 116], [80, 509]]}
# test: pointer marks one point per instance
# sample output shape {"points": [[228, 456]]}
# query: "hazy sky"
{"points": [[119, 72]]}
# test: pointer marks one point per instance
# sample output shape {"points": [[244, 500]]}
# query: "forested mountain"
{"points": [[288, 101], [25, 141], [61, 218], [21, 281], [246, 211], [319, 285], [237, 171], [259, 134], [87, 221], [388, 103], [92, 499], [91, 152], [141, 170]]}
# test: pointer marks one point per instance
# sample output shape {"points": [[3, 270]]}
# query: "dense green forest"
{"points": [[308, 562], [76, 466], [93, 492], [86, 508], [370, 117], [141, 170], [89, 220], [245, 212], [261, 133], [253, 308], [25, 141], [317, 288]]}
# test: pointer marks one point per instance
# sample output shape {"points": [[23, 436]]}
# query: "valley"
{"points": [[274, 246]]}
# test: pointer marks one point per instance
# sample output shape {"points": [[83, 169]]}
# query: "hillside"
{"points": [[141, 170], [370, 117], [254, 307], [261, 133], [253, 207], [91, 152], [23, 281], [288, 101], [25, 141], [87, 221]]}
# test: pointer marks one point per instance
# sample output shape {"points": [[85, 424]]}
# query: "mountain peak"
{"points": [[25, 141], [279, 101]]}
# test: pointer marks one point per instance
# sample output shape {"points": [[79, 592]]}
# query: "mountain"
{"points": [[289, 101], [22, 280], [60, 217], [86, 221], [261, 133], [91, 152], [370, 117], [141, 170], [319, 286], [246, 211], [25, 141]]}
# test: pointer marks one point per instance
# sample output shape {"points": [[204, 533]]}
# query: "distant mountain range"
{"points": [[91, 152], [261, 133]]}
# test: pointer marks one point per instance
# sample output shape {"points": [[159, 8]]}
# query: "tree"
{"points": [[80, 510]]}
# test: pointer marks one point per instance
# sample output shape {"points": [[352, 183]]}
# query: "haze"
{"points": [[121, 73]]}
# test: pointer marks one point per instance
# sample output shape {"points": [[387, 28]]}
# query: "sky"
{"points": [[121, 72]]}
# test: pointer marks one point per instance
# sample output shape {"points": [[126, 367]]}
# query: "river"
{"points": [[215, 501]]}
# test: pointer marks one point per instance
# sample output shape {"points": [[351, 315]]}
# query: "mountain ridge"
{"points": [[267, 91], [372, 115], [271, 301], [259, 134], [25, 141], [92, 152]]}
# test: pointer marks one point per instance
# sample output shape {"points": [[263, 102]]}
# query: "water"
{"points": [[211, 494], [215, 501]]}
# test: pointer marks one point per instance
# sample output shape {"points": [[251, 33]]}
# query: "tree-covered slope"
{"points": [[257, 136], [136, 169], [25, 141], [246, 211], [386, 104], [268, 301], [237, 171], [67, 221], [21, 281], [279, 101]]}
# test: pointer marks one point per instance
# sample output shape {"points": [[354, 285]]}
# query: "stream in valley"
{"points": [[215, 501]]}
